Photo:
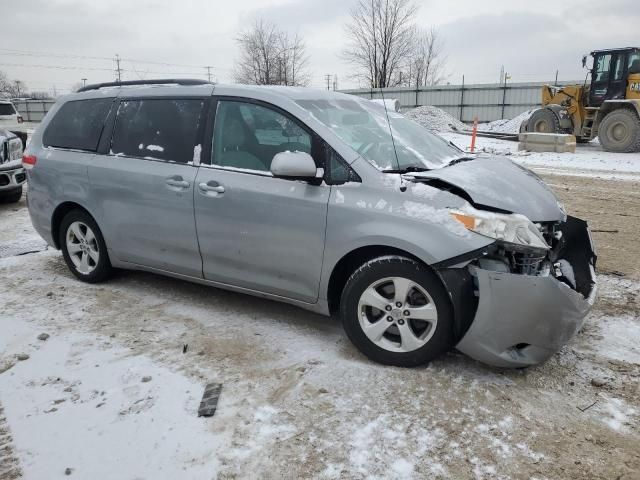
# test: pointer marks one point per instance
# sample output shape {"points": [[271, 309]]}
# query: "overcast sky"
{"points": [[531, 39]]}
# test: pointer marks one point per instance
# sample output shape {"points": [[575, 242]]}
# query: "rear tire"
{"points": [[12, 197], [543, 121], [83, 247], [619, 131], [414, 322]]}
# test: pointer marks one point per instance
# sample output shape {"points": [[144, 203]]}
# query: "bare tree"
{"points": [[381, 37], [426, 63], [11, 88], [270, 56]]}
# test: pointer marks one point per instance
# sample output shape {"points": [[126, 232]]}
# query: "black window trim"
{"points": [[105, 147], [102, 130]]}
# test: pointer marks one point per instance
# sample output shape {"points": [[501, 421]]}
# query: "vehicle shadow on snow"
{"points": [[269, 313]]}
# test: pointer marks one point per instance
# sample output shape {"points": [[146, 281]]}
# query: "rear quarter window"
{"points": [[78, 124]]}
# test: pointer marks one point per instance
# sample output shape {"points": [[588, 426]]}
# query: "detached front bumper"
{"points": [[523, 320]]}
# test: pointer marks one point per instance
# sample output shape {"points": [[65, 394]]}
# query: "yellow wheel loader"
{"points": [[608, 107]]}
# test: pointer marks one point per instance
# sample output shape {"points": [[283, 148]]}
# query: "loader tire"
{"points": [[543, 121], [619, 131]]}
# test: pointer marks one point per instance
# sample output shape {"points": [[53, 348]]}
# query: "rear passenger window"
{"points": [[159, 129], [78, 124]]}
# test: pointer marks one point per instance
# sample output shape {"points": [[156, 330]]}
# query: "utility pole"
{"points": [[84, 82], [118, 69], [328, 79], [208, 73], [504, 92], [335, 82]]}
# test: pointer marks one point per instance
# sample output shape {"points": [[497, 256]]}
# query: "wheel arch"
{"points": [[59, 213], [354, 259], [613, 105]]}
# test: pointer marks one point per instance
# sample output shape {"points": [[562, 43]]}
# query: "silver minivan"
{"points": [[318, 199]]}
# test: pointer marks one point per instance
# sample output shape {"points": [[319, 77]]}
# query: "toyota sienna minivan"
{"points": [[318, 199]]}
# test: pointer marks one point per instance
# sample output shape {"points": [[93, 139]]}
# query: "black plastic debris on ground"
{"points": [[209, 401]]}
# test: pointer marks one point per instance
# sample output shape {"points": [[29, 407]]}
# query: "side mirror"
{"points": [[293, 165]]}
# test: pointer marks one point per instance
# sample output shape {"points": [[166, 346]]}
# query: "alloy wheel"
{"points": [[397, 314], [82, 247]]}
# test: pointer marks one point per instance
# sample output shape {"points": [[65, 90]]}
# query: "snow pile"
{"points": [[435, 119], [506, 125]]}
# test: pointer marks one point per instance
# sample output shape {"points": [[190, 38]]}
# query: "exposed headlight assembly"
{"points": [[15, 149], [511, 228]]}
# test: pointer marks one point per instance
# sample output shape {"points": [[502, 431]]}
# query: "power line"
{"points": [[59, 67], [34, 53]]}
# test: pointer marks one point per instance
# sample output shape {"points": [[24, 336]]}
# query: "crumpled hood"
{"points": [[500, 183]]}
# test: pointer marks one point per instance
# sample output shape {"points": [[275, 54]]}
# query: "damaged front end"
{"points": [[516, 306]]}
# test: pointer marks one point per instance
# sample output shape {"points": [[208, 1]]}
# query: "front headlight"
{"points": [[15, 149], [511, 228]]}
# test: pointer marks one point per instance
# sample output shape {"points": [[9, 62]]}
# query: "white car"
{"points": [[12, 174], [9, 116]]}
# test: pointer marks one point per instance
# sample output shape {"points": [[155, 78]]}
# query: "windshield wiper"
{"points": [[460, 160], [409, 169]]}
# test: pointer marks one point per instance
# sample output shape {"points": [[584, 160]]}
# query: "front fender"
{"points": [[358, 217]]}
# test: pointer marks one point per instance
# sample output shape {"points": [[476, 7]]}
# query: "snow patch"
{"points": [[617, 414], [430, 214], [197, 152]]}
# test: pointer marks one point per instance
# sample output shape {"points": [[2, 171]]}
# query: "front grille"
{"points": [[4, 179]]}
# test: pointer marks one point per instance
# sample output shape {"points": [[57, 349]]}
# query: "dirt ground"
{"points": [[612, 209], [332, 413]]}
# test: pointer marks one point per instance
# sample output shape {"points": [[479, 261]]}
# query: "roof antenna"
{"points": [[403, 186]]}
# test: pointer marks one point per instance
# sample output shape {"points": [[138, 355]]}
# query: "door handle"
{"points": [[207, 187], [177, 182]]}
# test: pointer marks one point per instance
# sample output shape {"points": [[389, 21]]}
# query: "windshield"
{"points": [[363, 125]]}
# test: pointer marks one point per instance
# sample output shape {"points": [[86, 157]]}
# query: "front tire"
{"points": [[83, 247], [397, 312], [619, 131], [543, 120]]}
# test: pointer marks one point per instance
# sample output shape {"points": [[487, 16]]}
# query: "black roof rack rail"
{"points": [[163, 81]]}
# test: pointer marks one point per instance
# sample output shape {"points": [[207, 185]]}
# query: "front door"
{"points": [[144, 187], [256, 231]]}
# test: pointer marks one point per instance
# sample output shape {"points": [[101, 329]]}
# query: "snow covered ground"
{"points": [[110, 393]]}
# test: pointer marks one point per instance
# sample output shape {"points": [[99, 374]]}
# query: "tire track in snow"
{"points": [[9, 463]]}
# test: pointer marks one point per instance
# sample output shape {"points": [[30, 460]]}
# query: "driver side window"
{"points": [[248, 136]]}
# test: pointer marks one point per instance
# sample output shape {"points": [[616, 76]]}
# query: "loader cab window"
{"points": [[620, 65], [634, 62], [602, 68]]}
